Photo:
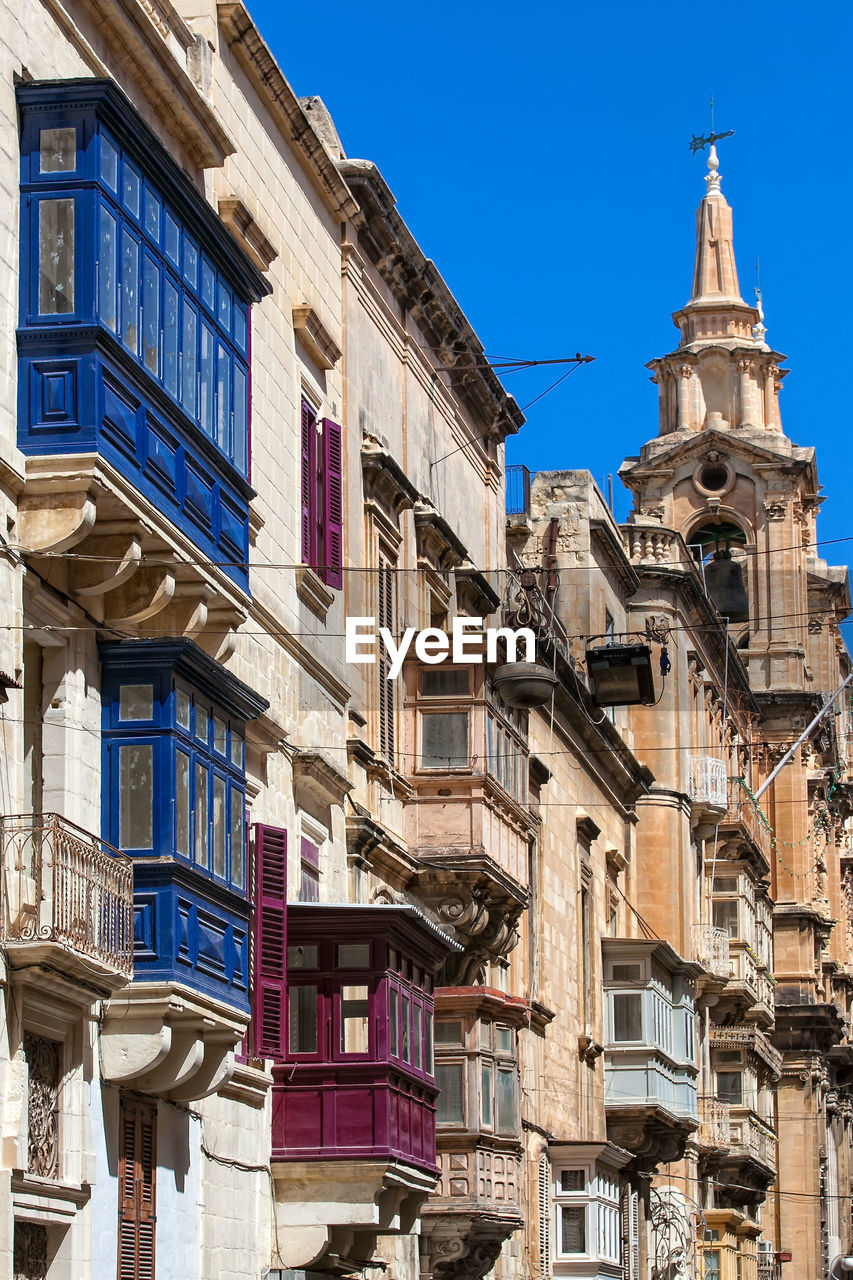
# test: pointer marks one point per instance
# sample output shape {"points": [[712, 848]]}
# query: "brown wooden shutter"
{"points": [[268, 1001], [137, 1189]]}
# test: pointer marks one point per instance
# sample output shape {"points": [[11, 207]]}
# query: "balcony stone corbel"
{"points": [[146, 594], [115, 559], [55, 521]]}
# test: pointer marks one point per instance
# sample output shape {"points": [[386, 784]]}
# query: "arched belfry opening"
{"points": [[721, 550]]}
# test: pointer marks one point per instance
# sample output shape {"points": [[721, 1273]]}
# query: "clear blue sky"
{"points": [[540, 156]]}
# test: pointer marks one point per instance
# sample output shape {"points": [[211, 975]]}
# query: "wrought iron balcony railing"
{"points": [[517, 490], [60, 884], [708, 784], [711, 949]]}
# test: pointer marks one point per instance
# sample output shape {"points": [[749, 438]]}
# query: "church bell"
{"points": [[724, 584]]}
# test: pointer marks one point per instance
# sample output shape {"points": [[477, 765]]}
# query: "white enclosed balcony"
{"points": [[708, 784], [711, 949], [67, 900]]}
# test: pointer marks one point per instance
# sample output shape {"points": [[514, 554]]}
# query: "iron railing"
{"points": [[517, 490], [708, 783], [59, 883], [711, 949]]}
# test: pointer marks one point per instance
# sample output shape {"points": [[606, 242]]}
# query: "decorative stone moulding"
{"points": [[315, 337]]}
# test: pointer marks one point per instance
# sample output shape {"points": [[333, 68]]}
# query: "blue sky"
{"points": [[540, 155]]}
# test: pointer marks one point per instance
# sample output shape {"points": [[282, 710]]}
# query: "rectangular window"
{"points": [[130, 189], [241, 433], [506, 1108], [628, 1017], [206, 380], [449, 1077], [730, 1087], [201, 815], [712, 1265], [172, 240], [190, 263], [219, 866], [238, 839], [386, 588], [486, 1094], [151, 315], [107, 270], [393, 1022], [438, 683], [572, 1219], [354, 1019], [183, 709], [302, 1019], [444, 740], [208, 284], [353, 955], [170, 338], [572, 1180], [129, 292], [151, 218], [223, 399], [428, 1051], [189, 362], [417, 1036], [136, 796], [56, 257], [137, 1189], [448, 1033], [182, 803], [57, 150], [726, 917], [136, 702], [405, 1029], [309, 871]]}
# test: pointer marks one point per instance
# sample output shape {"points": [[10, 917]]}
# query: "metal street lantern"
{"points": [[525, 684], [621, 675]]}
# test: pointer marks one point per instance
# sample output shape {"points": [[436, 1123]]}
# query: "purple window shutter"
{"points": [[268, 1004], [309, 485], [333, 504]]}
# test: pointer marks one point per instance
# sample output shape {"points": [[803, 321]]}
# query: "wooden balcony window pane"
{"points": [[405, 1041], [506, 1108], [627, 1017], [354, 1019], [56, 257], [238, 839], [393, 1023], [129, 292], [444, 740], [189, 362], [109, 164], [449, 1076], [182, 803], [183, 709], [57, 150], [354, 955], [108, 270], [136, 796], [572, 1180], [726, 917], [219, 825], [136, 702], [428, 1051], [572, 1229], [151, 315], [486, 1094], [503, 1039], [302, 1020], [302, 957], [417, 1036], [448, 1032], [730, 1087], [130, 190], [201, 815]]}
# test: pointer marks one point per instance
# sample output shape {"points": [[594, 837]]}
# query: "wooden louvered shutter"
{"points": [[385, 618], [309, 484], [333, 504], [268, 1005], [544, 1216], [137, 1189]]}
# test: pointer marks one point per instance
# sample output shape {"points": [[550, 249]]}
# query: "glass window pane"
{"points": [[189, 380], [136, 702], [183, 709], [130, 189], [56, 257], [205, 397], [238, 839], [730, 1087], [190, 262], [353, 955], [444, 740], [202, 722], [129, 291], [437, 682], [171, 238], [208, 284], [136, 796], [218, 825], [354, 1020], [448, 1033], [170, 338], [223, 399], [393, 1023], [182, 803], [503, 1039], [449, 1077], [302, 957], [57, 150], [151, 315], [486, 1094], [573, 1179], [240, 449], [428, 1055], [236, 749], [220, 735], [109, 163], [506, 1108], [726, 917], [627, 1017], [302, 1020], [241, 326], [572, 1228], [151, 220], [417, 1036], [223, 307], [405, 1018], [107, 271], [201, 815]]}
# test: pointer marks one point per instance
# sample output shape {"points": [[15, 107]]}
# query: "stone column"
{"points": [[744, 370], [685, 373], [771, 418]]}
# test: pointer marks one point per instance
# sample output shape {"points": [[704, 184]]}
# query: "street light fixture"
{"points": [[621, 675]]}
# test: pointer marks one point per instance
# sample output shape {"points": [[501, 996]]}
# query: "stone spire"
{"points": [[716, 313]]}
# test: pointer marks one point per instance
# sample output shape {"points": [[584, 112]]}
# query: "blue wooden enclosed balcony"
{"points": [[133, 341]]}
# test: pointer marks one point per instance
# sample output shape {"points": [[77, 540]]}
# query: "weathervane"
{"points": [[699, 143]]}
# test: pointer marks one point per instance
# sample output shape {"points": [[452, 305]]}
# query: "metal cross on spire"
{"points": [[698, 142]]}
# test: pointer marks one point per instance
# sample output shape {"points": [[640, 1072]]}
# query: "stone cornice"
{"points": [[250, 49]]}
